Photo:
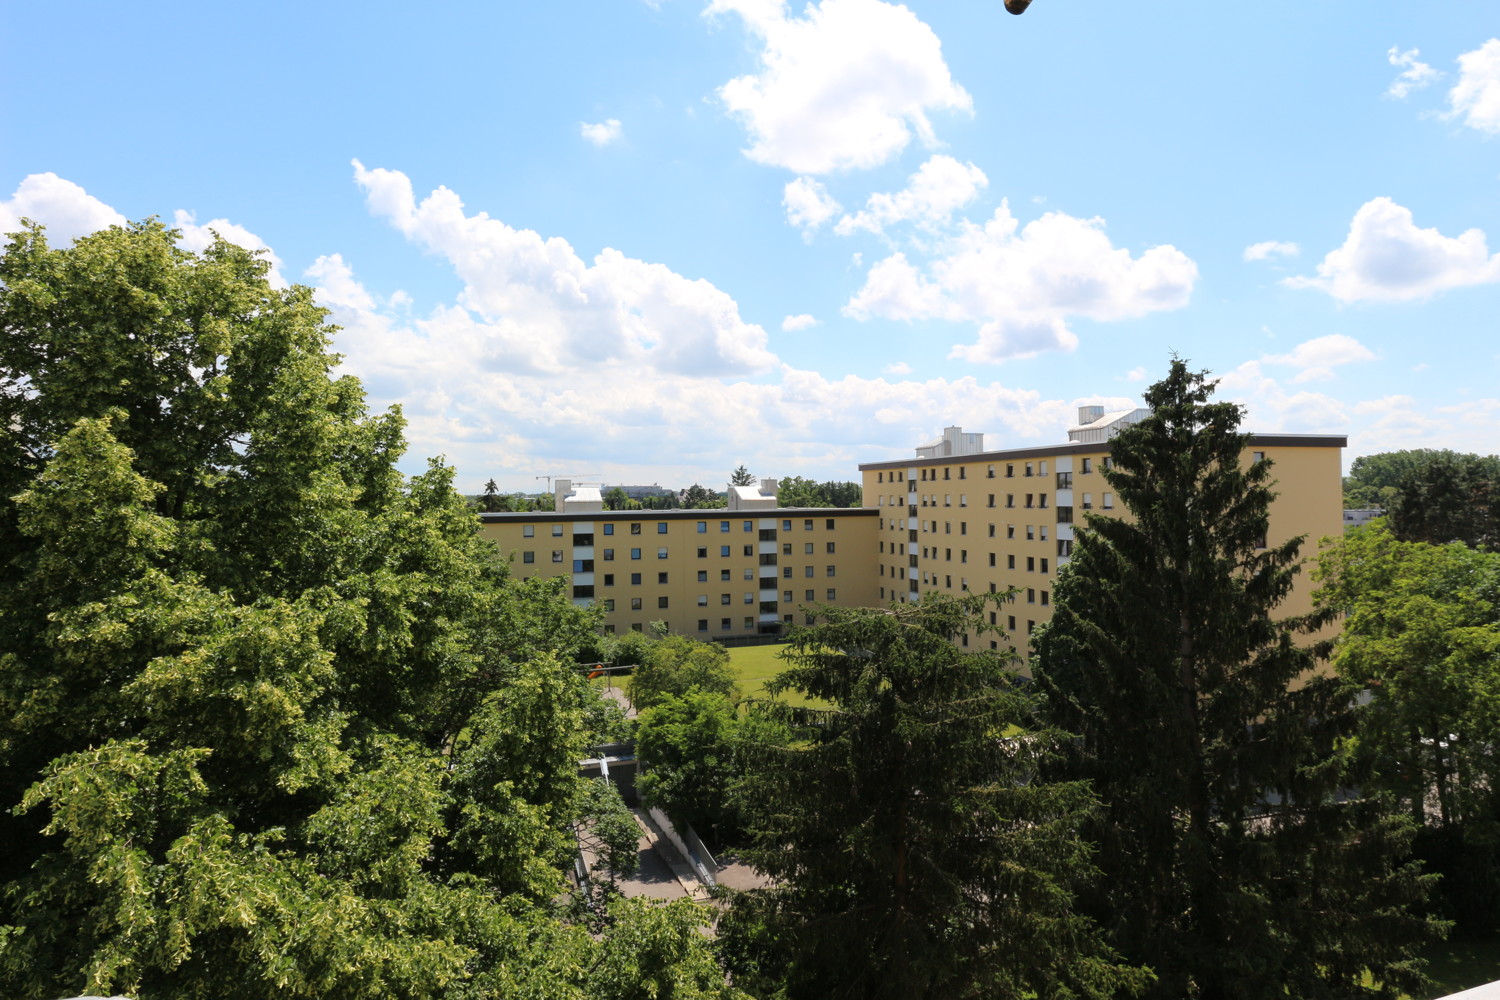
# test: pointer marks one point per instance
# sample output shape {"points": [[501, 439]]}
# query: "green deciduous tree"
{"points": [[675, 665], [913, 848], [1420, 636], [1449, 498], [1234, 862], [273, 720], [686, 743]]}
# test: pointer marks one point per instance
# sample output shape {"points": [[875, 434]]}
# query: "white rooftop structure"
{"points": [[953, 442], [762, 497], [568, 499], [1095, 426]]}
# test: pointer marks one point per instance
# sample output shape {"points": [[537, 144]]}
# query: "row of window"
{"points": [[1028, 469], [637, 603], [529, 530]]}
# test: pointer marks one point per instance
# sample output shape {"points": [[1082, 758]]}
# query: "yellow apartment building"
{"points": [[954, 518]]}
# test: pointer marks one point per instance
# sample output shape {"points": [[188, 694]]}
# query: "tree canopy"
{"points": [[912, 849], [1234, 863], [273, 720]]}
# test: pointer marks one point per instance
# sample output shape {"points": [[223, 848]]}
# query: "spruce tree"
{"points": [[1239, 860], [912, 850]]}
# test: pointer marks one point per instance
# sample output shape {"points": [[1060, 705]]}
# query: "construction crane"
{"points": [[575, 476]]}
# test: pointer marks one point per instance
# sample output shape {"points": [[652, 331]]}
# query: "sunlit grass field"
{"points": [[754, 665]]}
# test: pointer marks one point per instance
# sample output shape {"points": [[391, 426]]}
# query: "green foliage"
{"points": [[616, 499], [675, 665], [657, 953], [741, 477], [1234, 863], [1451, 498], [1421, 637], [273, 719], [1375, 480], [613, 823], [687, 745], [913, 849], [697, 497]]}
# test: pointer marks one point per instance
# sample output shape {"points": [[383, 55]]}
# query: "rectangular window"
{"points": [[1088, 501], [1044, 564], [749, 573], [749, 621], [609, 579], [725, 625], [749, 598], [609, 555], [829, 525], [635, 527], [749, 550], [703, 552], [1030, 596], [1028, 468], [786, 595], [786, 525], [661, 602], [991, 502], [1010, 562], [1010, 622], [635, 578], [702, 624], [723, 526], [635, 553], [661, 553], [661, 578], [702, 527], [1029, 498], [807, 525], [1088, 465], [830, 548], [528, 557], [1010, 531], [786, 572], [1041, 468], [1031, 533], [992, 558], [661, 527], [635, 605], [1031, 564], [1043, 530], [703, 576], [1109, 501], [832, 594], [832, 570], [609, 604], [723, 574], [807, 571], [1010, 499], [609, 529], [724, 598], [528, 531], [557, 555], [557, 531], [749, 526], [723, 550], [1257, 456], [1045, 598], [1010, 471]]}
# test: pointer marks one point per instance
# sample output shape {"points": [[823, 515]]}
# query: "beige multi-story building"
{"points": [[955, 518], [746, 570]]}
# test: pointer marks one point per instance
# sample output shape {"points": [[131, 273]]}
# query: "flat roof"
{"points": [[712, 514], [1090, 448]]}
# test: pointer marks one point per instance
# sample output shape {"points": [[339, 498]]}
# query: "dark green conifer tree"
{"points": [[913, 851], [1239, 859]]}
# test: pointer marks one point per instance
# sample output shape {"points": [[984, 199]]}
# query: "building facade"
{"points": [[954, 519]]}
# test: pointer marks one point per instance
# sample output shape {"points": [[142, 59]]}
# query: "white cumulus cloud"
{"points": [[541, 307], [64, 208], [1414, 74], [1476, 96], [601, 133], [808, 205], [1386, 258], [1269, 249], [1317, 358], [940, 187], [842, 87], [1021, 285], [799, 322]]}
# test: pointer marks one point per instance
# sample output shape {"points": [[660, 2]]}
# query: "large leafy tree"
{"points": [[1420, 640], [272, 719], [912, 849], [741, 476], [1235, 863], [1451, 498]]}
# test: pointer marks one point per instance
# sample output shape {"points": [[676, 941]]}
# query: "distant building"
{"points": [[642, 492], [1361, 516], [953, 519]]}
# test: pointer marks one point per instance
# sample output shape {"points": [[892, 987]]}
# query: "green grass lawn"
{"points": [[754, 665]]}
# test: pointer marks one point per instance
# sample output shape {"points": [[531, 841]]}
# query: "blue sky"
{"points": [[646, 242]]}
